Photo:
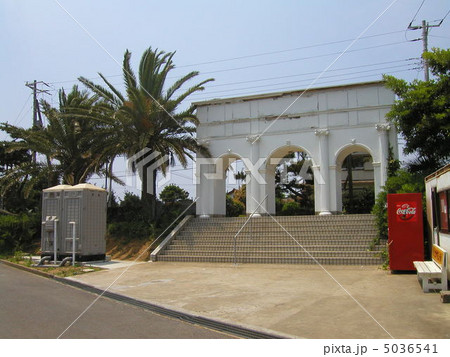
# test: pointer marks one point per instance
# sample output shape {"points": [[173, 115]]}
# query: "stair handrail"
{"points": [[240, 230], [168, 239]]}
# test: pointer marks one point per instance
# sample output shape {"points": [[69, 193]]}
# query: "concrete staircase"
{"points": [[337, 240]]}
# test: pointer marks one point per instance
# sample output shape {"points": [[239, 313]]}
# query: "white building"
{"points": [[437, 189], [326, 123]]}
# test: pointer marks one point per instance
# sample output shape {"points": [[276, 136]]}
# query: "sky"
{"points": [[247, 46]]}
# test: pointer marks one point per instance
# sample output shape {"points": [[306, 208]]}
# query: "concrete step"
{"points": [[218, 234], [264, 260], [271, 253], [227, 246], [330, 239], [278, 241]]}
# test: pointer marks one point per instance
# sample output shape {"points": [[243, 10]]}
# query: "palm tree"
{"points": [[71, 146], [146, 117]]}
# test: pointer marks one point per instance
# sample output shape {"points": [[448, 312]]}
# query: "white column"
{"points": [[376, 178], [204, 190], [383, 151], [317, 194], [253, 189], [219, 205], [268, 189], [323, 181], [334, 206]]}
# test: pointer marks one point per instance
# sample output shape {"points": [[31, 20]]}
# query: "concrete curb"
{"points": [[239, 330]]}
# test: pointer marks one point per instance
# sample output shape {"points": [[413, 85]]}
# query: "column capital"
{"points": [[322, 132], [204, 142], [253, 138], [383, 127]]}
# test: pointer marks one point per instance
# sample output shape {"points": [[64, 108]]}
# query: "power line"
{"points": [[21, 110], [447, 38], [311, 73], [208, 94], [448, 12], [293, 75], [306, 80], [284, 51], [416, 14], [301, 58], [323, 83], [247, 56]]}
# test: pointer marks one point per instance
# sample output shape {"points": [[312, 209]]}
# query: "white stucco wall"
{"points": [[327, 123], [439, 181]]}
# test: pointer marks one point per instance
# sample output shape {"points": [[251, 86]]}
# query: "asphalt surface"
{"points": [[36, 307]]}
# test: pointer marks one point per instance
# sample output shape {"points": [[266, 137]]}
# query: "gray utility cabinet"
{"points": [[83, 204]]}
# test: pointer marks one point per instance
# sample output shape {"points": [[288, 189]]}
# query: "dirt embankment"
{"points": [[123, 249]]}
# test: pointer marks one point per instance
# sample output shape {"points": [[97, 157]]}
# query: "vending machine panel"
{"points": [[405, 235]]}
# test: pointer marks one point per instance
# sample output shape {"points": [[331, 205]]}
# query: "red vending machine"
{"points": [[405, 237]]}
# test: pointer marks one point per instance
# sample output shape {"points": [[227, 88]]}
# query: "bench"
{"points": [[433, 274]]}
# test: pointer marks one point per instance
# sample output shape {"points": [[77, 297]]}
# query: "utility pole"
{"points": [[37, 118], [425, 49], [425, 26]]}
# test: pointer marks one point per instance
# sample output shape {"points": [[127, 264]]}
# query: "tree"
{"points": [[10, 159], [422, 113], [234, 207], [12, 197], [289, 184], [172, 194], [72, 148], [146, 116], [240, 177]]}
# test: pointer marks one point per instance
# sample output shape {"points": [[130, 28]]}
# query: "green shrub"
{"points": [[18, 232], [234, 208], [362, 202], [290, 209], [172, 194], [402, 182], [130, 219], [130, 230], [294, 208]]}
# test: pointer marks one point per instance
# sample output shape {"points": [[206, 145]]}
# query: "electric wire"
{"points": [[310, 73], [242, 57], [416, 13], [448, 12], [298, 75], [302, 58], [21, 110], [283, 51], [324, 77], [276, 86], [447, 38]]}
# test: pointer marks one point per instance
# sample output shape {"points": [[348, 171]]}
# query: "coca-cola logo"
{"points": [[405, 212]]}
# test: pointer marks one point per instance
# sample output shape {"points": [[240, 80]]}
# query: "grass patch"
{"points": [[63, 272], [67, 271]]}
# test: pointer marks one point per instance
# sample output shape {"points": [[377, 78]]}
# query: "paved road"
{"points": [[36, 307]]}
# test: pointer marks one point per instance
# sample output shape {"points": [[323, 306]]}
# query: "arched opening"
{"points": [[290, 182], [235, 187], [355, 180]]}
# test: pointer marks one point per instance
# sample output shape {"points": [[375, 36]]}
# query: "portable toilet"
{"points": [[79, 209], [52, 203]]}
